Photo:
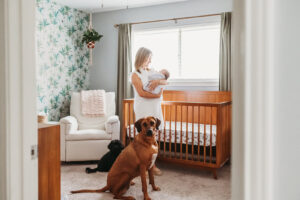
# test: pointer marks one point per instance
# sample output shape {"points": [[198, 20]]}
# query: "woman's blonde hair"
{"points": [[141, 56]]}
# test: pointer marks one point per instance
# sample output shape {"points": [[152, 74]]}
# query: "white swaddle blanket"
{"points": [[151, 77]]}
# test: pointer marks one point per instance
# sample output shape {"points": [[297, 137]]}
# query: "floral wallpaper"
{"points": [[62, 59]]}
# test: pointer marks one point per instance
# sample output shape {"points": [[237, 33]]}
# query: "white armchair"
{"points": [[86, 138]]}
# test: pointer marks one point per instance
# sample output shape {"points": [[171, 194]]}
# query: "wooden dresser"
{"points": [[49, 161]]}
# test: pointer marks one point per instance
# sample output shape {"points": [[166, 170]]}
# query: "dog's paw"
{"points": [[147, 198], [156, 188]]}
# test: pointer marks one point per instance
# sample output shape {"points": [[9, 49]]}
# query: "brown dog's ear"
{"points": [[157, 123], [138, 125]]}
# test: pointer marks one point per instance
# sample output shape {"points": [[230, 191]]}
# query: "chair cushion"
{"points": [[85, 122], [88, 134]]}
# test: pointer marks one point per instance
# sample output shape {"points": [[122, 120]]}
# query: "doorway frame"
{"points": [[252, 152], [253, 100], [18, 121]]}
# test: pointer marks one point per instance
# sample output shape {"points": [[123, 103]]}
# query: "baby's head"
{"points": [[165, 72]]}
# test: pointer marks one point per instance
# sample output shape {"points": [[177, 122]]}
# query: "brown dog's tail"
{"points": [[91, 191]]}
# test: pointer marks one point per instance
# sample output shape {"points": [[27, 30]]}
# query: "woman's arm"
{"points": [[137, 83], [154, 83]]}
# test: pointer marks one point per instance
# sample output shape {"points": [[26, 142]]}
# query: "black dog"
{"points": [[105, 163]]}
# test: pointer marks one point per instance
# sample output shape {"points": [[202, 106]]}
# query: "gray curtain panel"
{"points": [[124, 67], [225, 53]]}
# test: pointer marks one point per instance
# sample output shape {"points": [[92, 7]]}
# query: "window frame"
{"points": [[167, 25]]}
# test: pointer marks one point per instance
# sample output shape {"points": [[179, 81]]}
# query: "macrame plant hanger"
{"points": [[91, 49]]}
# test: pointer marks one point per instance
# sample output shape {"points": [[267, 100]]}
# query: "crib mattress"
{"points": [[186, 132]]}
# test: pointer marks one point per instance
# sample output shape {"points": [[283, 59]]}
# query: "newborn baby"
{"points": [[161, 75]]}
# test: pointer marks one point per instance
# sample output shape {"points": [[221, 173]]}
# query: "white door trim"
{"points": [[19, 107], [253, 102], [2, 106]]}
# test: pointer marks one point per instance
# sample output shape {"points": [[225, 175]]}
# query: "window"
{"points": [[190, 53]]}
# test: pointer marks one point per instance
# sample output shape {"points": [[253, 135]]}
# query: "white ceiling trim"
{"points": [[110, 5]]}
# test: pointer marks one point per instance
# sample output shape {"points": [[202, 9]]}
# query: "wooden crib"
{"points": [[196, 129]]}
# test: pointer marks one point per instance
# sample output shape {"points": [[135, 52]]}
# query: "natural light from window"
{"points": [[187, 52]]}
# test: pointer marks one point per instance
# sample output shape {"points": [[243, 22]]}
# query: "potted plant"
{"points": [[91, 36]]}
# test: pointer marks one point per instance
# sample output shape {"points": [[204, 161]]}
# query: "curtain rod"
{"points": [[175, 19]]}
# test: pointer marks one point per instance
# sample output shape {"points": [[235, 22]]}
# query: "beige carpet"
{"points": [[176, 183]]}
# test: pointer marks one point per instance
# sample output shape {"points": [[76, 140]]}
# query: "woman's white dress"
{"points": [[145, 107]]}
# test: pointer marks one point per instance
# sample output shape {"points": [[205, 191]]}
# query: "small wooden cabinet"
{"points": [[49, 161]]}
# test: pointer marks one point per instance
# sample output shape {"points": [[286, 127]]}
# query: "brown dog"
{"points": [[138, 157]]}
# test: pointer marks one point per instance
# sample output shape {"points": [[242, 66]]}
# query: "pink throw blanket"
{"points": [[93, 103]]}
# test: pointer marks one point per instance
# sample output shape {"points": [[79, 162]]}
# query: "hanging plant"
{"points": [[91, 36]]}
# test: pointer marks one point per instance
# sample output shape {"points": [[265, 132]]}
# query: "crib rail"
{"points": [[194, 133]]}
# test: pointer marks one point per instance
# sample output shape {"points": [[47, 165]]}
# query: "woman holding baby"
{"points": [[147, 84]]}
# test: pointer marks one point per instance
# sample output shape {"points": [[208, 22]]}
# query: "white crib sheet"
{"points": [[185, 131]]}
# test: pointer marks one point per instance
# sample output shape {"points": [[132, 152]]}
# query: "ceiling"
{"points": [[109, 5]]}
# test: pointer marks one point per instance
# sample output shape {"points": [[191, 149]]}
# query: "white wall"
{"points": [[287, 100], [103, 73]]}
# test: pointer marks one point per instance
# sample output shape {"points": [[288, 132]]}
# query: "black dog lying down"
{"points": [[105, 163]]}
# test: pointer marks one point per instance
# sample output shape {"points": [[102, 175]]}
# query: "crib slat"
{"points": [[159, 136], [131, 119], [193, 133], [228, 132], [199, 132], [124, 125], [129, 111], [210, 149], [204, 137], [170, 131], [187, 133], [159, 133], [219, 136], [181, 133], [165, 114], [226, 117], [134, 131], [175, 131]]}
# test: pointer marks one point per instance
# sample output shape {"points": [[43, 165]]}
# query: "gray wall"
{"points": [[103, 73], [287, 99]]}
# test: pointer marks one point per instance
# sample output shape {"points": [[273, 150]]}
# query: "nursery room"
{"points": [[104, 69], [149, 99]]}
